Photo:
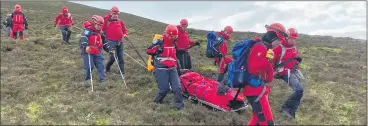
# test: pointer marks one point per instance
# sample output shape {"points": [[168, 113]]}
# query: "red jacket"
{"points": [[184, 40], [290, 52], [64, 20], [223, 46], [223, 50], [92, 37], [258, 64], [18, 18], [114, 29], [168, 55]]}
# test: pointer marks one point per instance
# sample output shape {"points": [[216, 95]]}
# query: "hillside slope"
{"points": [[38, 78]]}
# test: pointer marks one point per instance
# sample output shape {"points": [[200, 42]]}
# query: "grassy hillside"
{"points": [[39, 78]]}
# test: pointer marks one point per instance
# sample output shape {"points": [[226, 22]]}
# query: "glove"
{"points": [[111, 51], [88, 50], [198, 44], [125, 36], [299, 59]]}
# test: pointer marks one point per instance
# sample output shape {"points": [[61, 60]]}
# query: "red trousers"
{"points": [[261, 111], [17, 28]]}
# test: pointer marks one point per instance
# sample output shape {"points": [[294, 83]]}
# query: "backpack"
{"points": [[150, 66], [238, 75], [213, 43]]}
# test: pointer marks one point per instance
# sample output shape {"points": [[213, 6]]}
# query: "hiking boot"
{"points": [[107, 71], [122, 71], [103, 86], [286, 113]]}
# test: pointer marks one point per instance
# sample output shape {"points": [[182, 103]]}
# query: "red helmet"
{"points": [[97, 20], [17, 8], [64, 9], [228, 30], [115, 10], [183, 22], [171, 30], [278, 28], [292, 33]]}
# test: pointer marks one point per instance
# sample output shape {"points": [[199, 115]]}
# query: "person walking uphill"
{"points": [[66, 21], [287, 53], [115, 31], [165, 63], [91, 46], [182, 45], [18, 23], [222, 60], [260, 64]]}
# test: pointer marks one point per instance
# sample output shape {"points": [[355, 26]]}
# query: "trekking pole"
{"points": [[136, 50], [90, 70], [135, 60], [120, 71]]}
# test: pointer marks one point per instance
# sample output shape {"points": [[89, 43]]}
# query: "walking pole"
{"points": [[120, 71], [135, 49], [90, 70]]}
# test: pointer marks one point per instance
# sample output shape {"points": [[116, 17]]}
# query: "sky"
{"points": [[332, 18]]}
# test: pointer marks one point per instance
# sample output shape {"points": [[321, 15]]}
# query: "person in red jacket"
{"points": [[222, 60], [18, 23], [182, 46], [66, 21], [91, 46], [165, 62], [260, 64], [115, 31], [287, 53]]}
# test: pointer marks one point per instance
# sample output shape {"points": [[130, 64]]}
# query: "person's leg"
{"points": [[21, 37], [86, 62], [261, 111], [69, 33], [120, 56], [99, 63], [63, 32], [176, 88], [179, 61], [222, 67], [111, 61], [162, 79], [292, 103]]}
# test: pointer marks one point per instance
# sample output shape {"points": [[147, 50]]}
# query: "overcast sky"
{"points": [[337, 18]]}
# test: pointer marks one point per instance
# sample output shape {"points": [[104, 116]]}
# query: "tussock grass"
{"points": [[39, 78]]}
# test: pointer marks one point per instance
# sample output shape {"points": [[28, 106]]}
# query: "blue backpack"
{"points": [[213, 43], [238, 75]]}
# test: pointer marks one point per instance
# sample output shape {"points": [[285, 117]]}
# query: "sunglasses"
{"points": [[281, 32]]}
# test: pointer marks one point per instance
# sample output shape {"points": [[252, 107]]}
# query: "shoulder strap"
{"points": [[283, 51]]}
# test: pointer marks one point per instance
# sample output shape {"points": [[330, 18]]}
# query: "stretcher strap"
{"points": [[205, 91]]}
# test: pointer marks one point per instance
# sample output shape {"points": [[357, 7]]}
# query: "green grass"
{"points": [[39, 78]]}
